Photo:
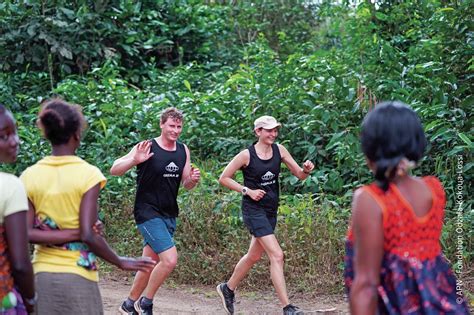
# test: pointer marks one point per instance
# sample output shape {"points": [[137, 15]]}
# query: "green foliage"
{"points": [[284, 23], [64, 37]]}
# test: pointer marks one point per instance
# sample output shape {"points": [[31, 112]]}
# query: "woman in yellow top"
{"points": [[63, 191]]}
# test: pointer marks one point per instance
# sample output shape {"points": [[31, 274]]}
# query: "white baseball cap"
{"points": [[266, 122]]}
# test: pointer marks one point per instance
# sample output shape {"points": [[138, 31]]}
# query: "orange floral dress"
{"points": [[415, 278], [6, 280], [6, 283]]}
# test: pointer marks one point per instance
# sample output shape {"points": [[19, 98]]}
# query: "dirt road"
{"points": [[185, 300]]}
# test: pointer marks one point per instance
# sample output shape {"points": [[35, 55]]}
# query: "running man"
{"points": [[163, 163]]}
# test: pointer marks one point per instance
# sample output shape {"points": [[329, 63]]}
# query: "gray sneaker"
{"points": [[292, 310], [227, 297], [143, 310], [127, 310]]}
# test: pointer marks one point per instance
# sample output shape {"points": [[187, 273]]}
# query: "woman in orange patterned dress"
{"points": [[394, 263]]}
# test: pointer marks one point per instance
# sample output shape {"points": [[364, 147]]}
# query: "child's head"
{"points": [[9, 141], [392, 132], [60, 121]]}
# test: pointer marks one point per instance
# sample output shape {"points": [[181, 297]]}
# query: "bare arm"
{"points": [[53, 237], [191, 175], [139, 154], [96, 243], [22, 271], [227, 177], [368, 249], [300, 172]]}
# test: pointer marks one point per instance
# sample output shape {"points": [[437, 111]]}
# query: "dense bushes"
{"points": [[318, 77], [65, 37]]}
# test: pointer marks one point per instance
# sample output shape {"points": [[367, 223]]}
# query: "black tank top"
{"points": [[158, 183], [262, 174]]}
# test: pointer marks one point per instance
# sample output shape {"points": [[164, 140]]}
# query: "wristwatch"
{"points": [[245, 191], [32, 301]]}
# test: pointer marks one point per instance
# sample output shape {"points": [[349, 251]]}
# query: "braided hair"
{"points": [[391, 133]]}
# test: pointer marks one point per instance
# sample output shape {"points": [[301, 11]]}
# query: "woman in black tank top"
{"points": [[260, 164]]}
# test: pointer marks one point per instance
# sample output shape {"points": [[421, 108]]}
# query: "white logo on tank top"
{"points": [[268, 176], [172, 167], [268, 179]]}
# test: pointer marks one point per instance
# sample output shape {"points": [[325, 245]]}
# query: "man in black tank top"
{"points": [[260, 165], [163, 164]]}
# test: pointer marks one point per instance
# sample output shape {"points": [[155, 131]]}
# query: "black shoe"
{"points": [[148, 310], [227, 297], [292, 310], [127, 310]]}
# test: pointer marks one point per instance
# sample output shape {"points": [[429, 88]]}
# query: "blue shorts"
{"points": [[158, 233]]}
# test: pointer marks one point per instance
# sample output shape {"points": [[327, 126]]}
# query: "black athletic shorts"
{"points": [[260, 222]]}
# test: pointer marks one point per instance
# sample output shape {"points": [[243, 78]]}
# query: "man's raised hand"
{"points": [[142, 152]]}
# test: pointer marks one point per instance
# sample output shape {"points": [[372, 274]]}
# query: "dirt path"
{"points": [[184, 300]]}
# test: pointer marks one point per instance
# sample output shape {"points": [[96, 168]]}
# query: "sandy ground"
{"points": [[184, 300]]}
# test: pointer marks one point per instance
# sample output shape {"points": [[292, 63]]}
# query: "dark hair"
{"points": [[5, 110], [173, 113], [390, 132], [60, 120]]}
